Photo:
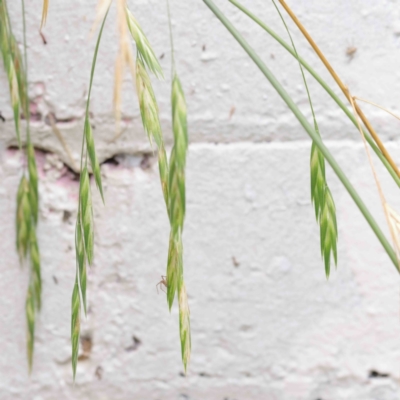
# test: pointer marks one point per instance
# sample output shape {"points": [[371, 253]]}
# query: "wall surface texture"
{"points": [[266, 324]]}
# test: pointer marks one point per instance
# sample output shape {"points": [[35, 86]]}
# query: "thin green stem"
{"points": [[311, 132], [27, 116], [331, 93], [301, 67], [96, 50], [171, 39]]}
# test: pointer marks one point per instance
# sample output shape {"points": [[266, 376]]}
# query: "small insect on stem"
{"points": [[162, 284], [351, 51]]}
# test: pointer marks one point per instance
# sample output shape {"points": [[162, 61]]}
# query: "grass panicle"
{"points": [[75, 325], [177, 205], [172, 174], [143, 46], [177, 210], [27, 195], [84, 228]]}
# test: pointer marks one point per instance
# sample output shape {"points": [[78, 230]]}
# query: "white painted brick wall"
{"points": [[266, 325]]}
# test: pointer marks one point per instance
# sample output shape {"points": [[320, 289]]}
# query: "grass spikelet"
{"points": [[33, 183], [6, 40], [148, 104], [164, 171], [15, 104], [151, 122], [328, 232], [174, 267], [184, 324], [86, 214], [179, 120], [36, 270], [75, 325], [92, 155], [81, 260], [44, 13], [177, 192], [23, 218], [143, 45], [318, 182], [30, 320], [20, 73]]}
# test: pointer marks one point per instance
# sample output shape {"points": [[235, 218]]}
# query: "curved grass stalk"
{"points": [[325, 86], [308, 128]]}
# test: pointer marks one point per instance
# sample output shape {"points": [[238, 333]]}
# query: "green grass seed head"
{"points": [[173, 267], [30, 320], [15, 103], [318, 181], [148, 104], [86, 214], [184, 324], [36, 270], [143, 45], [179, 121], [33, 183], [75, 325], [23, 218], [81, 260], [328, 232], [92, 155], [164, 171]]}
